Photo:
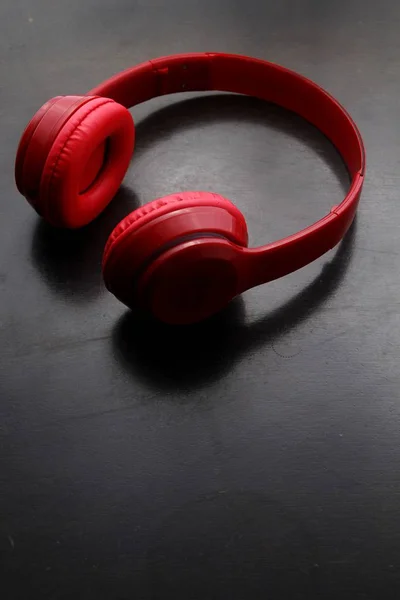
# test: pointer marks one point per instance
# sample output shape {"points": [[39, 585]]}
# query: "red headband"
{"points": [[276, 84]]}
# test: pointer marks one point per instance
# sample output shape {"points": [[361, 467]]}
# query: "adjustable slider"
{"points": [[190, 73]]}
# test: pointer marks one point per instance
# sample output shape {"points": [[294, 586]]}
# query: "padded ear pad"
{"points": [[37, 139], [141, 216], [73, 157]]}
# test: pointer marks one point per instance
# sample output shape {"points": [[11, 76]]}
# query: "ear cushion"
{"points": [[96, 143], [157, 208], [37, 140], [99, 122]]}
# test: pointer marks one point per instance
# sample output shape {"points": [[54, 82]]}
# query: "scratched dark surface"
{"points": [[255, 456]]}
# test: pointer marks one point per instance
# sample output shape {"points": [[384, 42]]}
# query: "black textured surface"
{"points": [[256, 456]]}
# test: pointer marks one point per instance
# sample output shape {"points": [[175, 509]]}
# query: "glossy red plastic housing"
{"points": [[184, 256]]}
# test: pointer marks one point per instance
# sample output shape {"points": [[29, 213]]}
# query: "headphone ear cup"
{"points": [[132, 222], [74, 169], [157, 227]]}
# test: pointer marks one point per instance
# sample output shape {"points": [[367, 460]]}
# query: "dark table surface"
{"points": [[254, 456]]}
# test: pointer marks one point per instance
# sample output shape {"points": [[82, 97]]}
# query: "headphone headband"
{"points": [[241, 75], [276, 84]]}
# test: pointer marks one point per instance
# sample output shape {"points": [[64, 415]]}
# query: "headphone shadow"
{"points": [[69, 261], [168, 358]]}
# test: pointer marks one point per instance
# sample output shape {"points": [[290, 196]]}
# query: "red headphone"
{"points": [[185, 256]]}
